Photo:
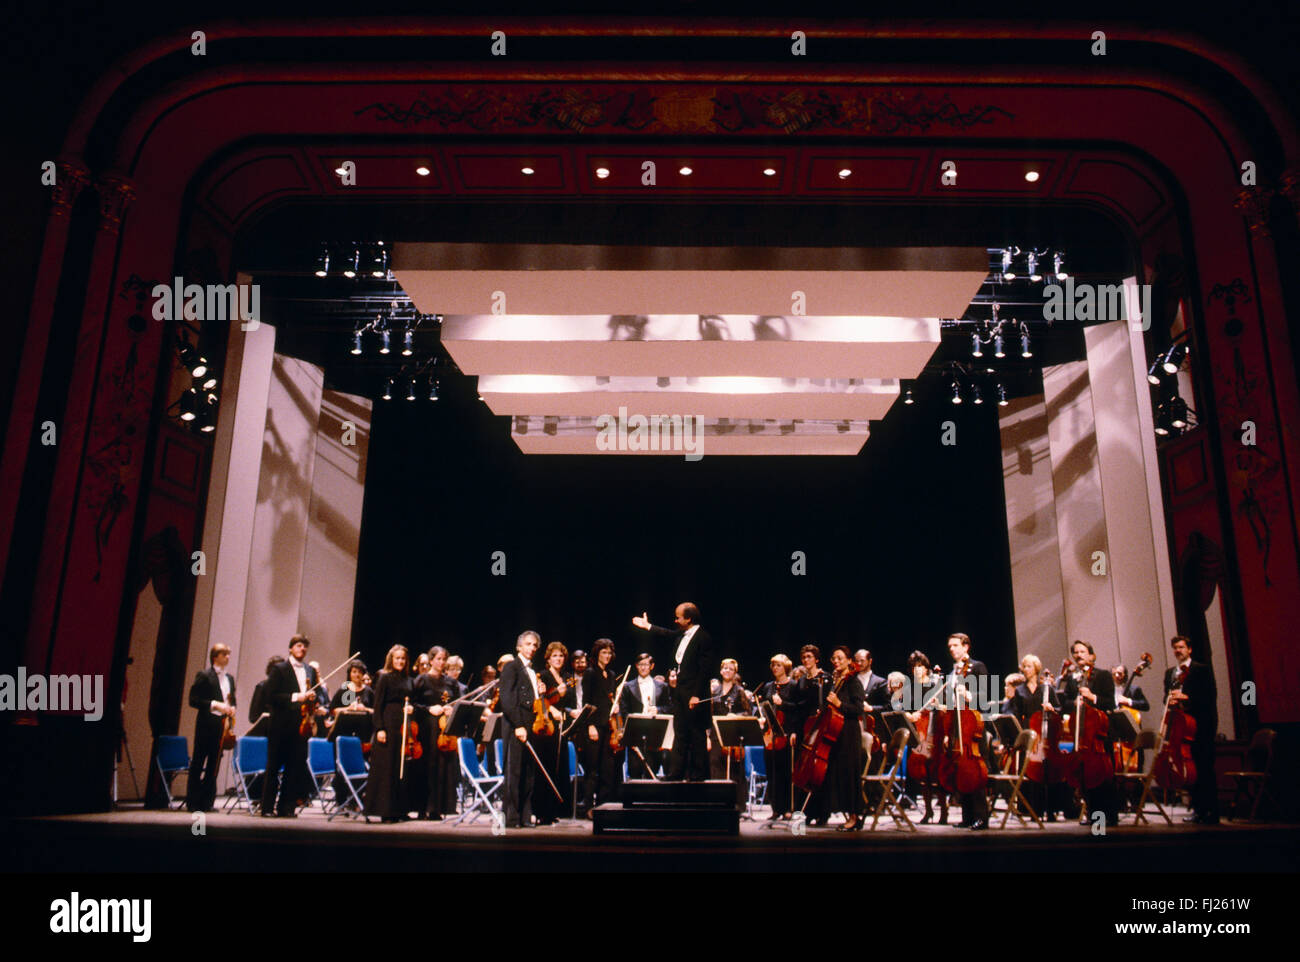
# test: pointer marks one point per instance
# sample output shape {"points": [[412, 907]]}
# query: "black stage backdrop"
{"points": [[904, 543]]}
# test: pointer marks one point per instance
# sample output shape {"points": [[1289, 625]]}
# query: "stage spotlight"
{"points": [[1024, 345], [1002, 396], [1031, 260], [975, 349], [845, 173], [1162, 420], [351, 260], [769, 172], [385, 342], [1178, 413], [686, 171], [410, 391], [408, 342], [356, 342], [907, 397], [998, 350], [388, 391], [433, 389], [1031, 176], [323, 261], [209, 382], [527, 171], [1174, 359], [976, 398], [956, 392], [190, 404], [1058, 266], [1008, 269], [601, 173], [379, 261], [1154, 372], [423, 171]]}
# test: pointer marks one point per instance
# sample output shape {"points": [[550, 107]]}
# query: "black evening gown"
{"points": [[844, 768], [546, 806], [383, 795], [441, 769]]}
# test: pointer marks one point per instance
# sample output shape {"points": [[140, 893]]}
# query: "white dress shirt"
{"points": [[647, 689], [223, 681], [686, 640]]}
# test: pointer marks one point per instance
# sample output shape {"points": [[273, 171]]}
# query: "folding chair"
{"points": [[891, 792], [1020, 748], [1148, 745], [575, 775], [756, 776], [485, 786], [320, 763], [173, 758], [350, 765], [249, 761], [1253, 782]]}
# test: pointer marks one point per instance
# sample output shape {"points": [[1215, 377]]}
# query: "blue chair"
{"points": [[756, 776], [575, 774], [350, 765], [485, 786], [249, 761], [173, 758], [320, 763]]}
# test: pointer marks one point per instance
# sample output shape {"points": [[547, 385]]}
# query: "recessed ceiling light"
{"points": [[422, 171], [769, 171], [1031, 176], [685, 172], [844, 172], [526, 170], [602, 172]]}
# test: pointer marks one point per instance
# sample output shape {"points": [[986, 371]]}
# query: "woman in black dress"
{"points": [[550, 680], [440, 771], [729, 699], [779, 757], [352, 705], [844, 768], [384, 796]]}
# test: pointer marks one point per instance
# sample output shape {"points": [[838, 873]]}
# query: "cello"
{"points": [[1125, 756], [819, 737], [1174, 766], [962, 768], [1045, 764], [1089, 765]]}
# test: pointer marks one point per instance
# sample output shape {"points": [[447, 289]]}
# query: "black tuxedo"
{"points": [[875, 689], [285, 747], [690, 725], [201, 792], [1104, 798], [1202, 704], [516, 707], [629, 703]]}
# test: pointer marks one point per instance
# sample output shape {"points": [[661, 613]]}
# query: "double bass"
{"points": [[1045, 764], [1126, 757], [961, 767], [1089, 765], [1174, 766], [819, 737]]}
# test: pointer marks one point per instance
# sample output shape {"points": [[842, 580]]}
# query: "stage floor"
{"points": [[132, 839]]}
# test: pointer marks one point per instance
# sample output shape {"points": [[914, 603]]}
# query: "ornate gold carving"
{"points": [[115, 195], [70, 180], [1253, 202]]}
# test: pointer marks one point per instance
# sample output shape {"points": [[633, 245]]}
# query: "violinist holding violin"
{"points": [[774, 697], [600, 761], [1190, 687], [438, 770], [290, 696], [729, 698], [555, 692], [519, 692], [844, 767], [384, 791], [213, 695]]}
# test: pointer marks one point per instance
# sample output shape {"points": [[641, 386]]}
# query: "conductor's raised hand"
{"points": [[641, 621]]}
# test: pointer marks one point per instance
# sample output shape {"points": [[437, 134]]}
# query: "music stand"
{"points": [[1121, 726], [645, 733], [583, 719], [735, 731], [464, 720], [898, 719], [489, 732]]}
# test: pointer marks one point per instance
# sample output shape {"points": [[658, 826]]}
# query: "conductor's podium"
{"points": [[671, 808]]}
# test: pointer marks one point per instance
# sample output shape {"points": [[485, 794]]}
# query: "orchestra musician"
{"points": [[519, 690], [573, 704], [288, 687], [730, 698], [434, 776], [874, 687], [1191, 686], [1027, 701], [213, 695], [810, 697], [1128, 694], [843, 785], [554, 690], [967, 673], [693, 659], [384, 794], [780, 761], [602, 765], [913, 696], [257, 706], [1098, 689], [644, 695], [455, 665], [350, 711], [1009, 686]]}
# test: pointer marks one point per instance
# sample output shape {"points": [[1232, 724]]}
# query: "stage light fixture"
{"points": [[601, 173], [998, 350], [379, 261], [685, 171], [351, 260], [190, 405], [1058, 265], [1002, 395], [769, 171], [976, 350], [976, 397], [527, 171], [1031, 261], [956, 392], [388, 391], [1155, 371], [845, 173], [356, 342], [1178, 413], [423, 171], [408, 342], [1025, 350], [410, 391], [1031, 176], [433, 389], [1162, 420], [1008, 268], [385, 345], [209, 382], [908, 398], [323, 261], [1174, 359]]}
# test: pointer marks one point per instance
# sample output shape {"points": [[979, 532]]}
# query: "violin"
{"points": [[962, 768], [819, 737], [774, 734], [447, 743], [1175, 768], [307, 710], [615, 717], [1045, 764], [1089, 765], [227, 733], [544, 711]]}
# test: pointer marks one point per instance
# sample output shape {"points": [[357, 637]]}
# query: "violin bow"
{"points": [[401, 765], [542, 768]]}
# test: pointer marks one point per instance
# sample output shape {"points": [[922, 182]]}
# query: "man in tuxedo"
{"points": [[518, 692], [213, 695], [644, 695], [694, 658], [1190, 685], [874, 687], [967, 680], [1096, 687], [286, 689]]}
